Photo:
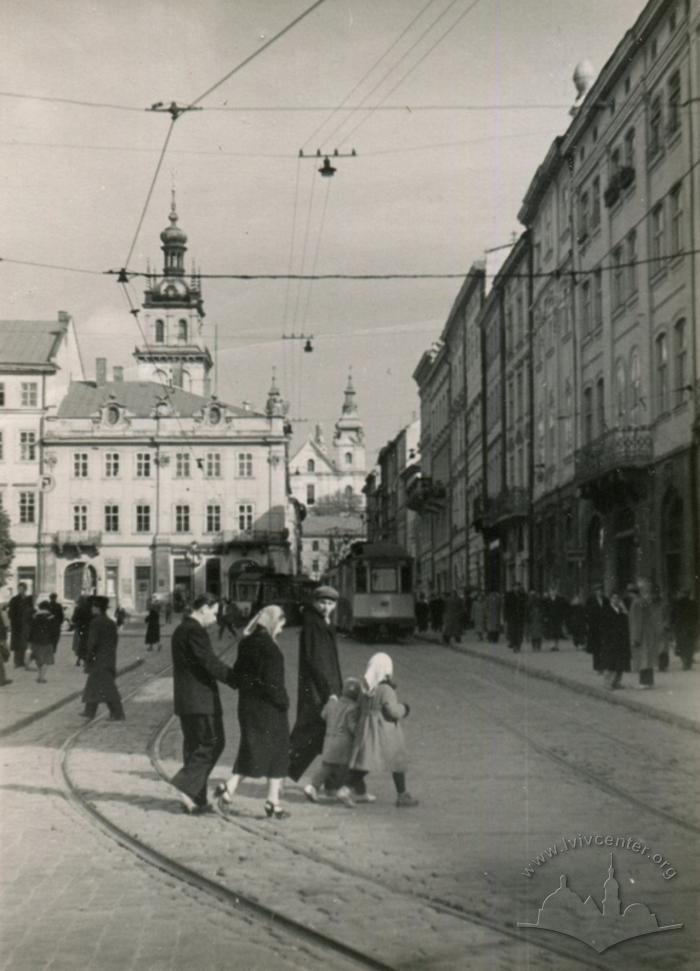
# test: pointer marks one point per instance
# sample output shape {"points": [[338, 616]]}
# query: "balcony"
{"points": [[612, 467], [513, 503], [423, 495], [78, 539]]}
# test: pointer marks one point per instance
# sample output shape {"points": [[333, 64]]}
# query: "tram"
{"points": [[257, 586], [375, 586]]}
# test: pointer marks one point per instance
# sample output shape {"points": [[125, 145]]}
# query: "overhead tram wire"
{"points": [[149, 194], [305, 316], [465, 13], [341, 106], [386, 74]]}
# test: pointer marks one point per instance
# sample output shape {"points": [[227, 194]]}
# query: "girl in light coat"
{"points": [[379, 740]]}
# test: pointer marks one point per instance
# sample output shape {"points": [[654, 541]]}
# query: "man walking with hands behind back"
{"points": [[196, 669]]}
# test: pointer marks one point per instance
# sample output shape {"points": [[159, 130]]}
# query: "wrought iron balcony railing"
{"points": [[615, 450], [511, 503], [87, 538], [425, 495]]}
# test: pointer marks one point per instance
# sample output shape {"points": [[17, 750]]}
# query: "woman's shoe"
{"points": [[365, 797], [311, 792], [406, 801], [222, 794], [275, 812]]}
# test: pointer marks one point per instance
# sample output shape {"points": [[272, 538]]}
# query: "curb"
{"points": [[42, 712], [679, 721]]}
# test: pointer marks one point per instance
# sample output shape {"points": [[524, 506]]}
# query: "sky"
{"points": [[427, 192]]}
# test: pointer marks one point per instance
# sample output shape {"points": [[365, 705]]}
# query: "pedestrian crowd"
{"points": [[344, 729], [631, 630]]}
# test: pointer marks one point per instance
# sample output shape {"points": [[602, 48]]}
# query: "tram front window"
{"points": [[384, 579]]}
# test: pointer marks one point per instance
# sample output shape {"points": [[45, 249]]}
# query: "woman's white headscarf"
{"points": [[269, 617], [380, 667]]}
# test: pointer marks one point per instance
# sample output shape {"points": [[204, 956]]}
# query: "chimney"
{"points": [[63, 318], [118, 373], [101, 370]]}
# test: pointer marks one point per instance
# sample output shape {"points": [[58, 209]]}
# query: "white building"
{"points": [[38, 360], [319, 472]]}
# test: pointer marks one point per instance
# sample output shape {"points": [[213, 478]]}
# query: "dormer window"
{"points": [[310, 466], [182, 331], [160, 332], [214, 415], [113, 415]]}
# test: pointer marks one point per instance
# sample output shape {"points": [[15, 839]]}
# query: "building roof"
{"points": [[29, 342], [337, 525], [85, 398]]}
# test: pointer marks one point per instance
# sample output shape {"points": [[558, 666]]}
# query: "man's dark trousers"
{"points": [[203, 744]]}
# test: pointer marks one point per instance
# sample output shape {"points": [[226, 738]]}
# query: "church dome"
{"points": [[173, 233]]}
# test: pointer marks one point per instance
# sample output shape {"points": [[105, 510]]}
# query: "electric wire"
{"points": [[319, 237], [149, 194], [255, 54], [386, 74], [364, 77], [465, 13]]}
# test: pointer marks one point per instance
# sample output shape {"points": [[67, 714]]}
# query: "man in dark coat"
{"points": [[101, 663], [422, 613], [57, 620], [319, 678], [20, 611], [596, 607], [515, 616], [196, 669], [555, 610], [81, 620]]}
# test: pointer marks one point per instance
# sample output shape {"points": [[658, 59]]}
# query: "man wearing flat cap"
{"points": [[101, 663], [319, 678]]}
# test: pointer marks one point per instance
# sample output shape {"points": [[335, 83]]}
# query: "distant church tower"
{"points": [[172, 320], [611, 893], [348, 440]]}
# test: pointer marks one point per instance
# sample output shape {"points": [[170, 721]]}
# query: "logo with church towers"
{"points": [[565, 912]]}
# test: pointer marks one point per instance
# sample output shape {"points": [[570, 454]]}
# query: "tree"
{"points": [[7, 547], [339, 502]]}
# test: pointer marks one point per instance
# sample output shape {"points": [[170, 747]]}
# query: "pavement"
{"points": [[675, 697]]}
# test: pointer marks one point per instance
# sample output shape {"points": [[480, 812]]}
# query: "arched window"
{"points": [[661, 350], [620, 391], [310, 494], [348, 458], [587, 415], [680, 352], [635, 374], [348, 492], [568, 417], [310, 466], [600, 406], [182, 331], [160, 332]]}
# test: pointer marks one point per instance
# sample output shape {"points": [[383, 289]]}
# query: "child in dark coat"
{"points": [[341, 716], [379, 740]]}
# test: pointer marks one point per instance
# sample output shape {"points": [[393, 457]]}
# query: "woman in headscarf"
{"points": [[263, 703]]}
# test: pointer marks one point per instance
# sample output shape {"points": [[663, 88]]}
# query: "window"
{"points": [[564, 209], [213, 517], [245, 517], [383, 579], [111, 518], [348, 492], [519, 319], [654, 49], [661, 374], [315, 566], [160, 332], [595, 202], [30, 394], [182, 518], [655, 123], [112, 465], [27, 447], [588, 415], [245, 465], [552, 426], [310, 494], [182, 465], [658, 231], [113, 415], [586, 306], [182, 331], [583, 215], [143, 465], [620, 391], [680, 350], [27, 507], [348, 458], [143, 518], [568, 419], [618, 278], [80, 514], [80, 465], [629, 147], [310, 466], [631, 261], [598, 298], [674, 101], [510, 402], [213, 465], [677, 219], [314, 546], [2, 395], [635, 376], [600, 405]]}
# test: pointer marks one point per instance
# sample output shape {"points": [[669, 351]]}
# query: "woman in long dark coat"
{"points": [[101, 663], [81, 620], [615, 641], [153, 628], [262, 710]]}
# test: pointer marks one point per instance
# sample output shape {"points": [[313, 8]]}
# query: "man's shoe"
{"points": [[406, 801], [311, 793], [365, 797], [345, 796]]}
